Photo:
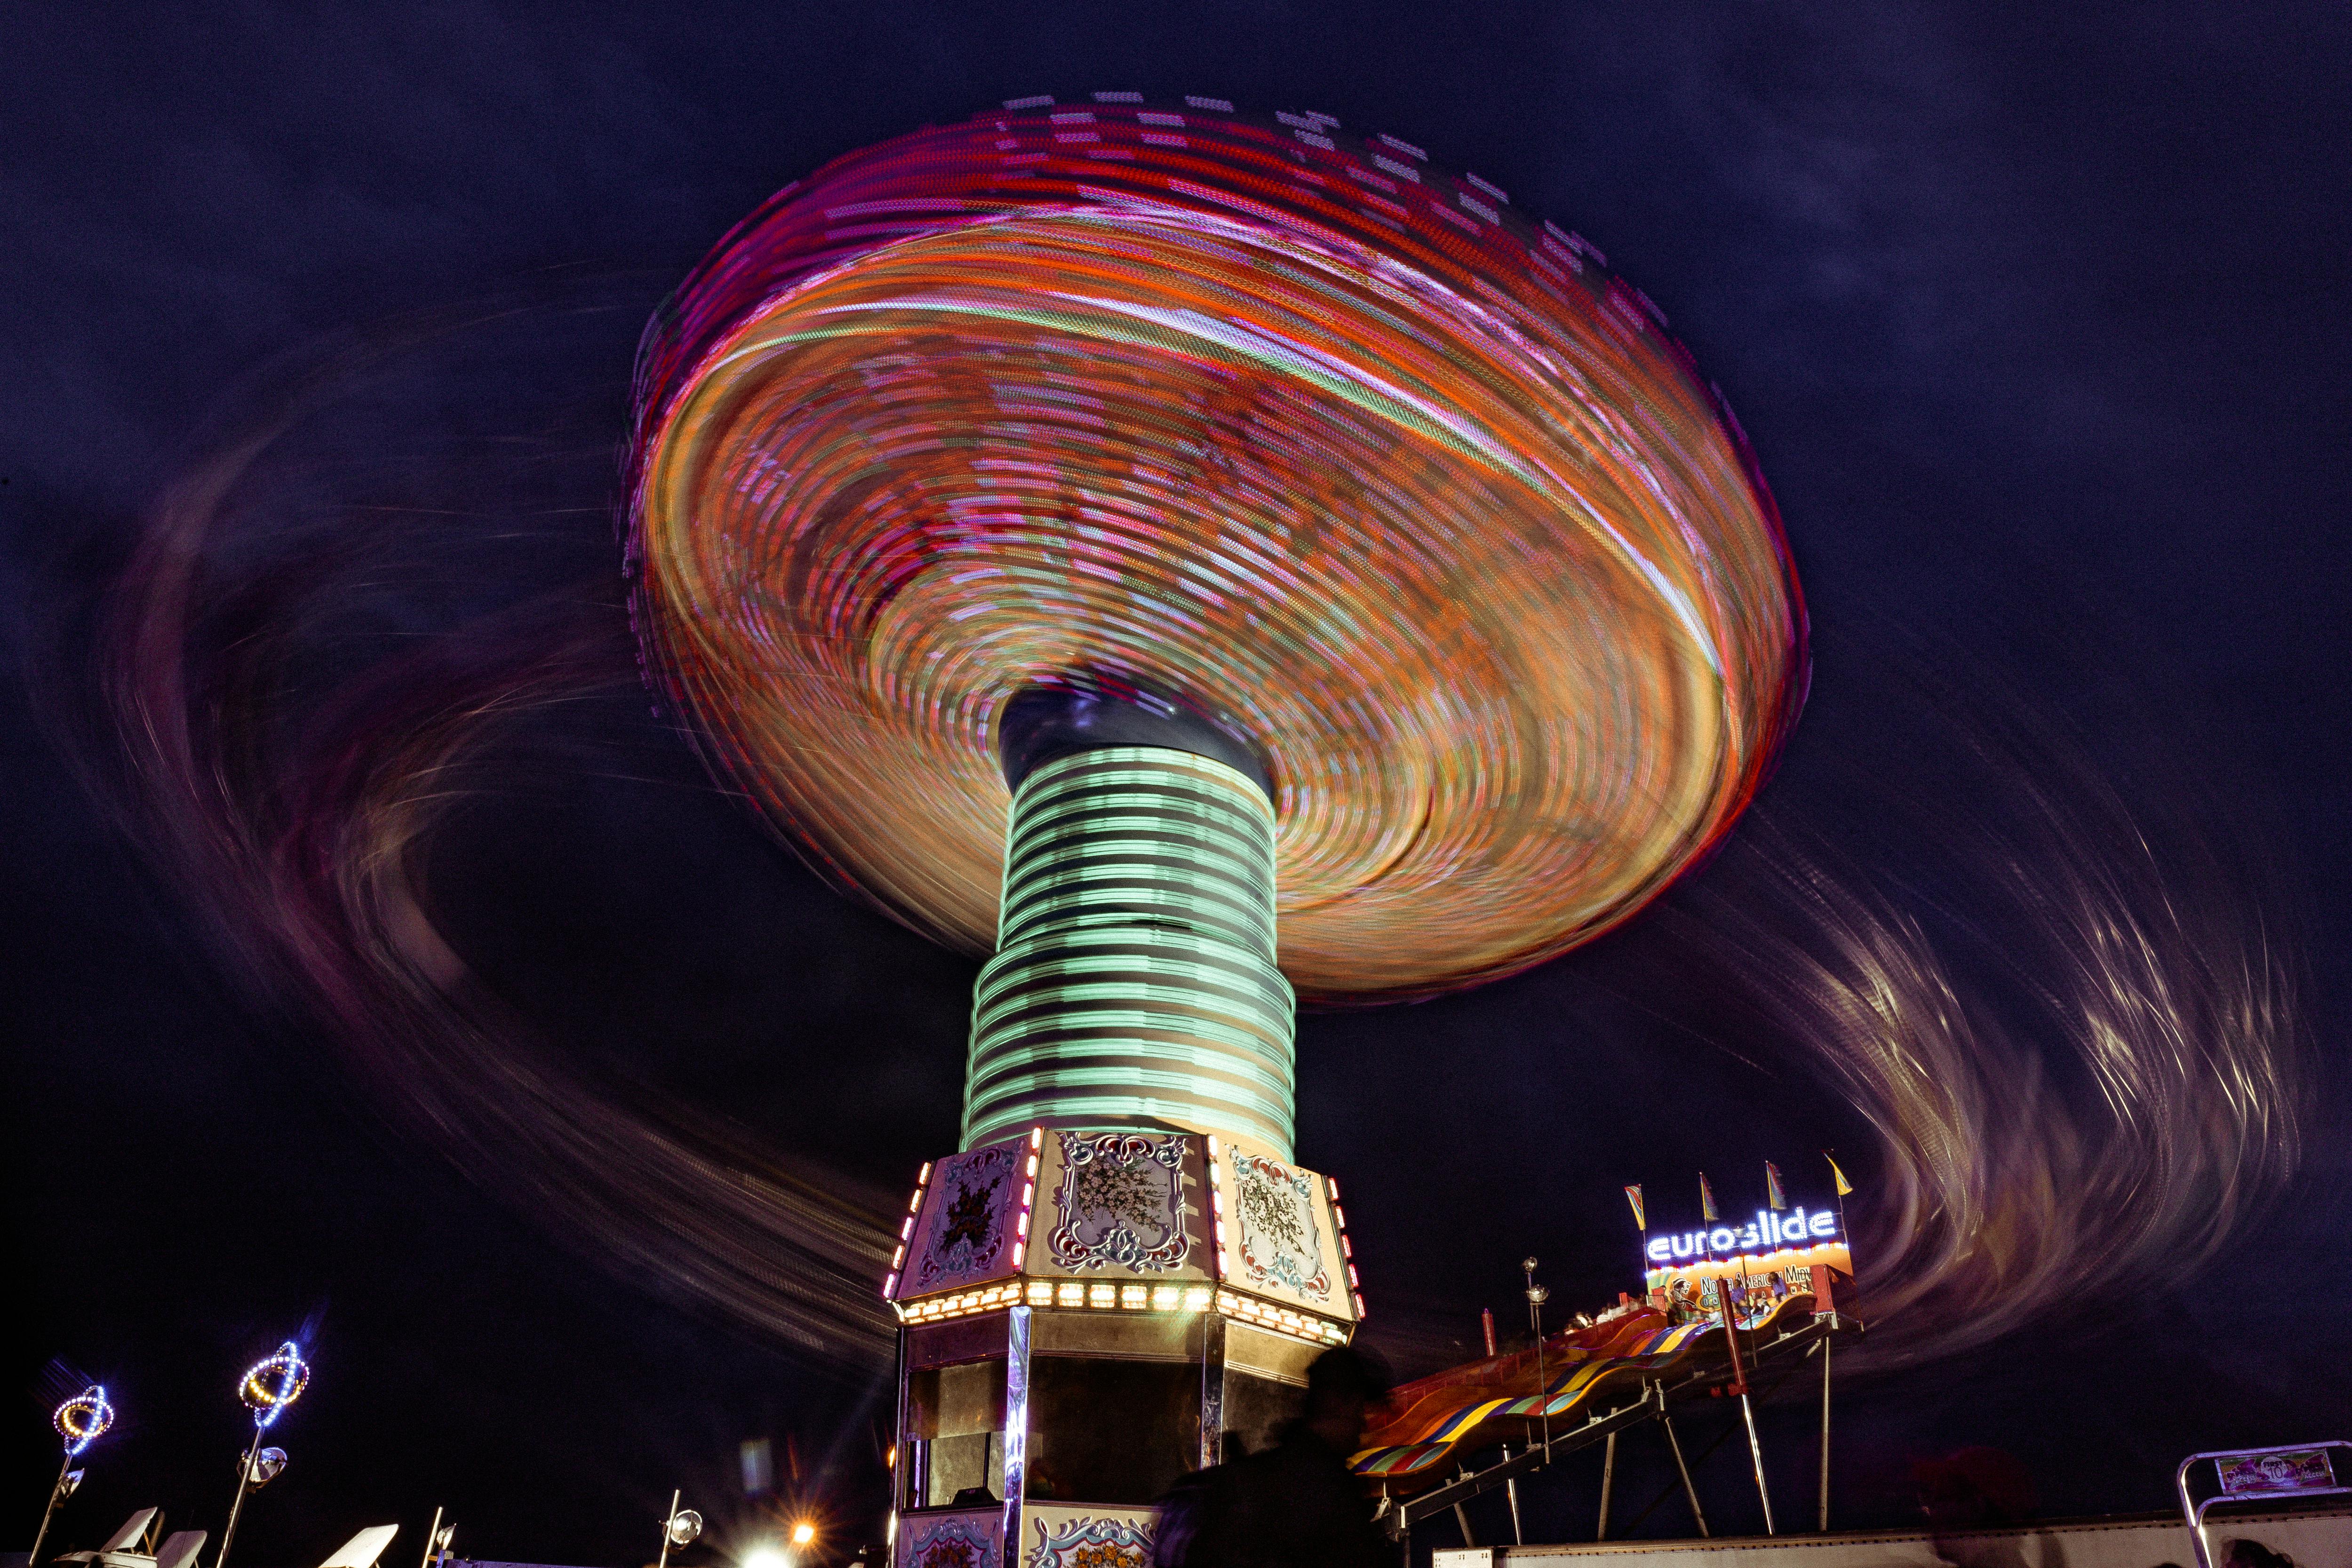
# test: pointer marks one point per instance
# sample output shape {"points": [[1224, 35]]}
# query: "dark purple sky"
{"points": [[2036, 317]]}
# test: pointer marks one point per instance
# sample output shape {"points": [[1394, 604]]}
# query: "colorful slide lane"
{"points": [[1413, 1433]]}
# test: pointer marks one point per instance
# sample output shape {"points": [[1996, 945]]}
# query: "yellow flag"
{"points": [[1844, 1185]]}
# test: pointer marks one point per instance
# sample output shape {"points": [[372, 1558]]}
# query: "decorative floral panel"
{"points": [[1120, 1203], [951, 1541], [1281, 1241], [964, 1235], [1086, 1538]]}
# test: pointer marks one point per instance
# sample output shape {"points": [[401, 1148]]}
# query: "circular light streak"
{"points": [[273, 1382], [83, 1420], [1292, 429]]}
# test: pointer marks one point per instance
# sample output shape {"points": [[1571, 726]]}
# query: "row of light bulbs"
{"points": [[1101, 1295]]}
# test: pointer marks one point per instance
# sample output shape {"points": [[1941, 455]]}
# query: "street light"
{"points": [[1537, 1296], [80, 1421], [681, 1527], [438, 1539], [269, 1385]]}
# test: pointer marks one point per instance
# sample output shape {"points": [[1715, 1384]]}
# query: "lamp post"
{"points": [[680, 1528], [80, 1421], [438, 1539], [270, 1385], [1537, 1296]]}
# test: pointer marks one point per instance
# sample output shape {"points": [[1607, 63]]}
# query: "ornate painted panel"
{"points": [[1123, 1205], [1280, 1238], [951, 1541], [1055, 1536], [965, 1234]]}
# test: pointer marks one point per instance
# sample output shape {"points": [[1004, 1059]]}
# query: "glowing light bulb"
{"points": [[273, 1382], [83, 1420]]}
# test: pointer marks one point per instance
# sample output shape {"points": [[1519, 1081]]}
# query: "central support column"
{"points": [[1134, 983], [1122, 1271]]}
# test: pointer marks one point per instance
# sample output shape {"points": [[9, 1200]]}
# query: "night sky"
{"points": [[2035, 316]]}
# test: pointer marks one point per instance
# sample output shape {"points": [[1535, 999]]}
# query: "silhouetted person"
{"points": [[1296, 1505], [2254, 1554]]}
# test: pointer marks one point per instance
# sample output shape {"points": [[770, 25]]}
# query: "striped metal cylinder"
{"points": [[1134, 983]]}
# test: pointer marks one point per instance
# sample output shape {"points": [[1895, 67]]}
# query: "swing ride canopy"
{"points": [[1290, 432]]}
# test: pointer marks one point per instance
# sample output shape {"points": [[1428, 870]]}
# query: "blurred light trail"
{"points": [[2080, 1057], [293, 808], [1290, 427]]}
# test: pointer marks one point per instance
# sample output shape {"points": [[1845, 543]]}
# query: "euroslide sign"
{"points": [[1772, 1242]]}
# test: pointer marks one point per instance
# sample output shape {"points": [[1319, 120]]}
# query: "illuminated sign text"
{"points": [[1768, 1230]]}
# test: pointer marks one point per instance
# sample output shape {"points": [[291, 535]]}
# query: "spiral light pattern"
{"points": [[273, 1382], [1324, 443], [84, 1418]]}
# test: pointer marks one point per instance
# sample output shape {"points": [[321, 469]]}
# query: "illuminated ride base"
{"points": [[1123, 1267], [1123, 1270]]}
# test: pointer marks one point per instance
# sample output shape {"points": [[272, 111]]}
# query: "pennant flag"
{"points": [[1844, 1185], [1707, 1201], [1772, 1193], [1633, 1196]]}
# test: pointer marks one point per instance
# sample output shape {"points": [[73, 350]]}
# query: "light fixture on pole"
{"points": [[80, 1421], [269, 1385], [437, 1540], [1537, 1296], [683, 1527]]}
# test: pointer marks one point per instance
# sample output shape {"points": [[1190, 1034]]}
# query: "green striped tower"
{"points": [[1134, 982]]}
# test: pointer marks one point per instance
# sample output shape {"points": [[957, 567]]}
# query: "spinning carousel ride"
{"points": [[1204, 562]]}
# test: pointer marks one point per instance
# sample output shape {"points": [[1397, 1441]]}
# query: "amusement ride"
{"points": [[1204, 562]]}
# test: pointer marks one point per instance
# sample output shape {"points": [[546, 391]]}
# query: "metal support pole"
{"points": [[57, 1495], [1016, 1423], [1682, 1469], [1825, 1438], [1511, 1490], [1756, 1453], [244, 1481], [1537, 1296], [1212, 1389], [1608, 1482], [902, 1459], [668, 1519], [434, 1529], [1746, 1404]]}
